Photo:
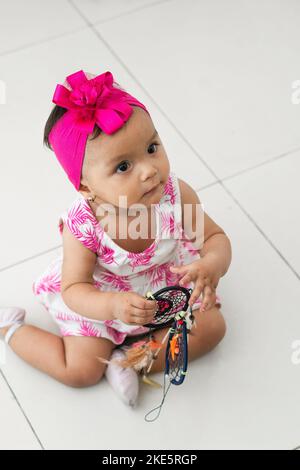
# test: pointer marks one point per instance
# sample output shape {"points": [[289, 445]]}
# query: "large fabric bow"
{"points": [[94, 101]]}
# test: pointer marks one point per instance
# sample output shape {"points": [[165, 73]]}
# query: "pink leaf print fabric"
{"points": [[65, 332], [117, 282], [81, 225], [68, 317], [170, 191], [88, 233], [86, 328], [141, 259], [117, 336], [159, 274], [106, 255], [98, 284], [118, 270], [188, 245], [167, 225], [49, 283]]}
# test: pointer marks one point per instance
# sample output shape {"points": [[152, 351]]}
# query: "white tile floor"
{"points": [[217, 78]]}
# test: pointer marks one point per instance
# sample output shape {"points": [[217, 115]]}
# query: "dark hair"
{"points": [[56, 113]]}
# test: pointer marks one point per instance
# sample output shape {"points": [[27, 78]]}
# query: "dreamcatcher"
{"points": [[172, 311]]}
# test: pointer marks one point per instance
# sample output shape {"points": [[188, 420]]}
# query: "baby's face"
{"points": [[127, 163]]}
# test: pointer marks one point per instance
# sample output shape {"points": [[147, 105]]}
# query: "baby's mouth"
{"points": [[152, 191]]}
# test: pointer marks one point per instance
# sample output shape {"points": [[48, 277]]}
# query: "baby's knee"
{"points": [[84, 376], [218, 327], [212, 326]]}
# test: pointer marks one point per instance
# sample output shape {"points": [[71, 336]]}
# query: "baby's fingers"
{"points": [[209, 298], [142, 316], [144, 304], [196, 292], [188, 277]]}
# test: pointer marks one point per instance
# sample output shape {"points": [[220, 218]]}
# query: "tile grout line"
{"points": [[265, 162], [76, 30], [125, 13], [261, 231], [30, 258], [42, 41], [255, 225], [22, 411], [250, 168]]}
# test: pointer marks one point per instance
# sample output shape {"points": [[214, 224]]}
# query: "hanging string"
{"points": [[159, 407]]}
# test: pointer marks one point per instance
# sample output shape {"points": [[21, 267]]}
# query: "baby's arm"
{"points": [[80, 295], [77, 289], [212, 244], [211, 241]]}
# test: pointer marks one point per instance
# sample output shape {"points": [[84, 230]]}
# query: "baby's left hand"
{"points": [[205, 280]]}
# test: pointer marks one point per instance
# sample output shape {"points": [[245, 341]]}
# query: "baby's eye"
{"points": [[122, 166], [154, 143]]}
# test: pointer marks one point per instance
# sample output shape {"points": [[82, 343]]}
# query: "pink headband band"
{"points": [[90, 102]]}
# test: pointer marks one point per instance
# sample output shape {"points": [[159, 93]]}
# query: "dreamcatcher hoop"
{"points": [[171, 300]]}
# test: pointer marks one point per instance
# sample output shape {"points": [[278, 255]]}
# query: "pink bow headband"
{"points": [[89, 102]]}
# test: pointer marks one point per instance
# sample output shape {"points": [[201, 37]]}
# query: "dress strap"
{"points": [[81, 225], [176, 198], [170, 209]]}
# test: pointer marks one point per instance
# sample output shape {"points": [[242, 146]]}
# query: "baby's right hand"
{"points": [[132, 308]]}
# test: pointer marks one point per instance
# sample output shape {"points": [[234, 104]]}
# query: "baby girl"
{"points": [[105, 141]]}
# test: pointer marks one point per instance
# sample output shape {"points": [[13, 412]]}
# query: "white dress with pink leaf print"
{"points": [[117, 269]]}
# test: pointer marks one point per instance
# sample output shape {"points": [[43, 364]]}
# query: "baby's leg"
{"points": [[206, 335], [70, 360]]}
